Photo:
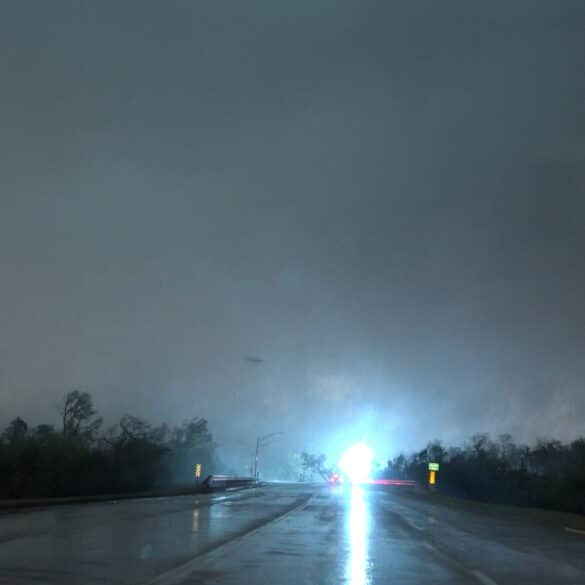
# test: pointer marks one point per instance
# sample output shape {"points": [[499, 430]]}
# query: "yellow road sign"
{"points": [[198, 470], [432, 477]]}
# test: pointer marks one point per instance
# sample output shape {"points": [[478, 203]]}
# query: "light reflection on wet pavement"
{"points": [[357, 530], [341, 535], [362, 536]]}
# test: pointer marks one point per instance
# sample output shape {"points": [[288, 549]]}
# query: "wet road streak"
{"points": [[290, 534]]}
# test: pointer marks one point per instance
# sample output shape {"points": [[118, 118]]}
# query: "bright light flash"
{"points": [[356, 462]]}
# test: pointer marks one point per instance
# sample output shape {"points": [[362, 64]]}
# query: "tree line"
{"points": [[549, 474], [81, 457]]}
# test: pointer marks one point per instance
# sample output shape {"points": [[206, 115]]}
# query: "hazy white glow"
{"points": [[356, 462]]}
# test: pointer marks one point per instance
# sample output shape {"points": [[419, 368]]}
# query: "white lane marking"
{"points": [[411, 524], [483, 578], [574, 530]]}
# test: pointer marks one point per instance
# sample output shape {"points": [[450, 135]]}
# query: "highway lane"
{"points": [[130, 541], [276, 534], [508, 545]]}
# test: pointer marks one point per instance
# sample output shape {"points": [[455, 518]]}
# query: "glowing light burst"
{"points": [[356, 462]]}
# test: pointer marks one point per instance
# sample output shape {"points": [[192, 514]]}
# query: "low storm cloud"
{"points": [[384, 201]]}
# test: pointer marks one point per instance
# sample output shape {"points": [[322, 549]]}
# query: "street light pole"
{"points": [[262, 441], [256, 459]]}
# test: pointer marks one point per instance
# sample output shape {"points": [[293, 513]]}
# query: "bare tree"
{"points": [[79, 416], [312, 464]]}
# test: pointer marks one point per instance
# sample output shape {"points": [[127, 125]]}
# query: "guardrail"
{"points": [[227, 481]]}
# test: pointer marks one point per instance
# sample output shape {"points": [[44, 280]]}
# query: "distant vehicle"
{"points": [[335, 478], [254, 359]]}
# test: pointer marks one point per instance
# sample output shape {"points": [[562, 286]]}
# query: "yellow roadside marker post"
{"points": [[433, 468]]}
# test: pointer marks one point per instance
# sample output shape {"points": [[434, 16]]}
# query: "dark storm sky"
{"points": [[385, 200]]}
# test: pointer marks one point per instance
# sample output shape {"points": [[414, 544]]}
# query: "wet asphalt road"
{"points": [[290, 534]]}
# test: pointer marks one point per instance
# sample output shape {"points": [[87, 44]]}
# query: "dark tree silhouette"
{"points": [[551, 474], [79, 417], [16, 431], [81, 460], [44, 434]]}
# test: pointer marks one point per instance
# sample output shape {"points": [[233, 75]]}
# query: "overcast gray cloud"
{"points": [[382, 199]]}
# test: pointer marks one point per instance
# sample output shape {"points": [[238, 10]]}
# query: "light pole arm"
{"points": [[262, 441]]}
